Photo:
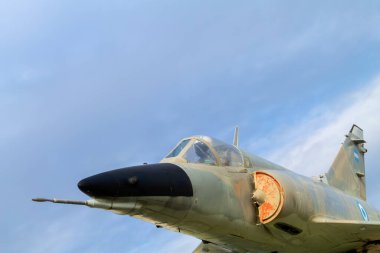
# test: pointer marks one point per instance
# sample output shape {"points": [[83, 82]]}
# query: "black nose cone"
{"points": [[162, 179], [103, 184]]}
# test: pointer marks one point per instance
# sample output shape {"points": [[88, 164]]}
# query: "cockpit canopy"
{"points": [[207, 150]]}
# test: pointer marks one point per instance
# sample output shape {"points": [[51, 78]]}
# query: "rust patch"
{"points": [[273, 196], [238, 187]]}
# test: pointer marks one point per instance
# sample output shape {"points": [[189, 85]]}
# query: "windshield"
{"points": [[178, 148], [200, 153], [228, 154]]}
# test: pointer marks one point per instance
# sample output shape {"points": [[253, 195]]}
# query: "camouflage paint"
{"points": [[263, 207]]}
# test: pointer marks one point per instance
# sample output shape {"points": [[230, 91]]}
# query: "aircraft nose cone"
{"points": [[99, 185], [162, 179], [83, 185]]}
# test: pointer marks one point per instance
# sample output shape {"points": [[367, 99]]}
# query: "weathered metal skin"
{"points": [[268, 196], [309, 199], [222, 212]]}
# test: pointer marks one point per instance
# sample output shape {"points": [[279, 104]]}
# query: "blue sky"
{"points": [[90, 86]]}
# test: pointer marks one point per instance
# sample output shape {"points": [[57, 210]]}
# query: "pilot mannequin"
{"points": [[202, 151]]}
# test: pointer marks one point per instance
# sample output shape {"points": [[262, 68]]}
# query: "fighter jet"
{"points": [[237, 202]]}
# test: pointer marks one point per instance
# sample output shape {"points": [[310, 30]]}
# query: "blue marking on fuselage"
{"points": [[363, 212], [356, 155]]}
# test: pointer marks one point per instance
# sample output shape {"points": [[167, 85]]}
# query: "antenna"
{"points": [[62, 201], [236, 137]]}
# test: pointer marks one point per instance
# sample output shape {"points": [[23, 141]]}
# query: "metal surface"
{"points": [[268, 195]]}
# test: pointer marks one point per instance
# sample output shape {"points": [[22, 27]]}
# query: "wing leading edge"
{"points": [[354, 231]]}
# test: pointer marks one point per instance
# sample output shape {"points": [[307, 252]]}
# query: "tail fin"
{"points": [[347, 172]]}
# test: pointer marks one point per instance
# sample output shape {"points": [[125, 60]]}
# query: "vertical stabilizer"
{"points": [[347, 172]]}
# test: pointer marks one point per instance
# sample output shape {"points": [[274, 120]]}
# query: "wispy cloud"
{"points": [[86, 230], [309, 146], [56, 235]]}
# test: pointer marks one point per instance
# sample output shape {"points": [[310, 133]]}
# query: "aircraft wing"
{"points": [[210, 248], [363, 230]]}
